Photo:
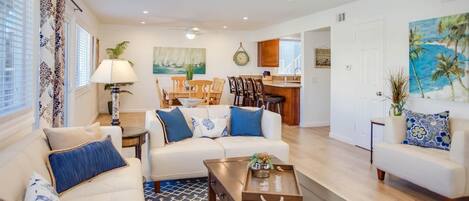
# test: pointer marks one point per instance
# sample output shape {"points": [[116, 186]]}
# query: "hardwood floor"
{"points": [[339, 167]]}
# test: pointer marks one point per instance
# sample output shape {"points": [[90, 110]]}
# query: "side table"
{"points": [[374, 121], [134, 137]]}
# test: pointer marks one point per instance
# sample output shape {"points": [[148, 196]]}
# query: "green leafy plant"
{"points": [[399, 89], [116, 53], [189, 71]]}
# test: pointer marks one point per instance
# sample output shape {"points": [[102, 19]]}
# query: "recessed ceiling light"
{"points": [[146, 12], [225, 27], [245, 18], [142, 22], [195, 29]]}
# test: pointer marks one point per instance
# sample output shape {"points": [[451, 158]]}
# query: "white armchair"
{"points": [[443, 172]]}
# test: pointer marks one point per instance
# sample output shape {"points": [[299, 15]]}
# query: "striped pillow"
{"points": [[73, 166]]}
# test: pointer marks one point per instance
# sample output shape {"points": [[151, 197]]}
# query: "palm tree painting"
{"points": [[439, 58], [173, 60]]}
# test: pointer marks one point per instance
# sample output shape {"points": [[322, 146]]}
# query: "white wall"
{"points": [[83, 102], [315, 93], [220, 47], [396, 15]]}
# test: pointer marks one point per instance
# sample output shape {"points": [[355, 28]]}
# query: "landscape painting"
{"points": [[173, 60], [439, 58]]}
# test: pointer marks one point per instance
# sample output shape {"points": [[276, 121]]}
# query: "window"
{"points": [[15, 56], [290, 57], [83, 71]]}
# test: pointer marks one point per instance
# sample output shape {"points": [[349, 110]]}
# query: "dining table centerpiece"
{"points": [[260, 164]]}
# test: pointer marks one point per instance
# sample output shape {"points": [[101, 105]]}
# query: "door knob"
{"points": [[379, 93]]}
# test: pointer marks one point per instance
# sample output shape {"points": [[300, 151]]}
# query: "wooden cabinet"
{"points": [[268, 53]]}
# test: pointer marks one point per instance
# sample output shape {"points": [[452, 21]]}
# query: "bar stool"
{"points": [[267, 100], [250, 89], [240, 92], [233, 88]]}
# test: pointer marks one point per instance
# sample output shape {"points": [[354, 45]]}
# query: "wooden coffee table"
{"points": [[227, 177]]}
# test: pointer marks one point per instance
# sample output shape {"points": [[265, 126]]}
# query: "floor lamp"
{"points": [[115, 72]]}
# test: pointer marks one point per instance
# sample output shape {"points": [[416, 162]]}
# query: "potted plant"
{"points": [[398, 83], [260, 165], [115, 53]]}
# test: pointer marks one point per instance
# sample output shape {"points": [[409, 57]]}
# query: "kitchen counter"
{"points": [[291, 106], [289, 84]]}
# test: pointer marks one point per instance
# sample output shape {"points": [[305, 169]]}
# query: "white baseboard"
{"points": [[315, 124], [341, 138]]}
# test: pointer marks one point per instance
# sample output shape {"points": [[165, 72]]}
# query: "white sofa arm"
{"points": [[271, 125], [155, 129], [394, 130], [116, 135], [459, 151]]}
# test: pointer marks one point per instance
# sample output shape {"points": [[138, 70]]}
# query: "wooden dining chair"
{"points": [[178, 82], [164, 102], [217, 86], [200, 89]]}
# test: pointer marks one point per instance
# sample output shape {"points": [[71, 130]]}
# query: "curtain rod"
{"points": [[76, 5]]}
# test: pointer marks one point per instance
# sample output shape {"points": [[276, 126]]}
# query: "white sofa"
{"points": [[443, 172], [18, 161], [184, 159]]}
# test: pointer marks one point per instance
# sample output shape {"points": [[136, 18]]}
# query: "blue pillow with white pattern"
{"points": [[428, 130]]}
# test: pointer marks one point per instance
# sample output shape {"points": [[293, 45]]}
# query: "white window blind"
{"points": [[83, 71], [15, 55]]}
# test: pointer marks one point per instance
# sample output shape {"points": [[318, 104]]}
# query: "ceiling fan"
{"points": [[190, 32]]}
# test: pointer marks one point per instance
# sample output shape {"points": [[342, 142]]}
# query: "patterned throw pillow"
{"points": [[211, 128], [39, 189], [70, 167], [428, 130]]}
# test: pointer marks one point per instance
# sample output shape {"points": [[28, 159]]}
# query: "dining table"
{"points": [[175, 93]]}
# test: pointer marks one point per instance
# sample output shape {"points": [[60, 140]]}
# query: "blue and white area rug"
{"points": [[176, 190]]}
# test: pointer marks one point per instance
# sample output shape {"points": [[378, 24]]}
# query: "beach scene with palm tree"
{"points": [[439, 58]]}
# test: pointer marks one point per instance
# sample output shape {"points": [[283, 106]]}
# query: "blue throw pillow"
{"points": [[246, 122], [72, 166], [428, 130], [175, 127]]}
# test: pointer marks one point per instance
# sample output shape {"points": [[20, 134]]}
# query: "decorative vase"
{"points": [[260, 170]]}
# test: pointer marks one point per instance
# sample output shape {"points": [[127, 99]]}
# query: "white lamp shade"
{"points": [[112, 71]]}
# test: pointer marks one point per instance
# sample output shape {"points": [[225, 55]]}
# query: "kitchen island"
{"points": [[291, 91]]}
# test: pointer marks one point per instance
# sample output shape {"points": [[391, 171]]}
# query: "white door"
{"points": [[369, 43]]}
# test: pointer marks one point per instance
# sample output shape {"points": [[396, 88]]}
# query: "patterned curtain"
{"points": [[52, 60]]}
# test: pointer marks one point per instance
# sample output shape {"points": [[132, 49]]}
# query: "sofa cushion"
{"points": [[246, 122], [426, 167], [428, 130], [237, 146], [64, 138], [175, 126], [19, 161], [118, 185], [188, 113], [184, 159], [72, 166]]}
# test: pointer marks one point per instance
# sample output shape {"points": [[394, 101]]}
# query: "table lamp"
{"points": [[114, 71]]}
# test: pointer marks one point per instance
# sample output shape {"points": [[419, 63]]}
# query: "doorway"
{"points": [[316, 79]]}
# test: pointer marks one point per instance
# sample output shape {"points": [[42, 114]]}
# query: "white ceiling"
{"points": [[206, 14]]}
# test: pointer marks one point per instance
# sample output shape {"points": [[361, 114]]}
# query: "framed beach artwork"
{"points": [[323, 58], [174, 60], [439, 58]]}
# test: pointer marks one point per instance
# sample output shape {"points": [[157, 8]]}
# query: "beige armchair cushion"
{"points": [[65, 138]]}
